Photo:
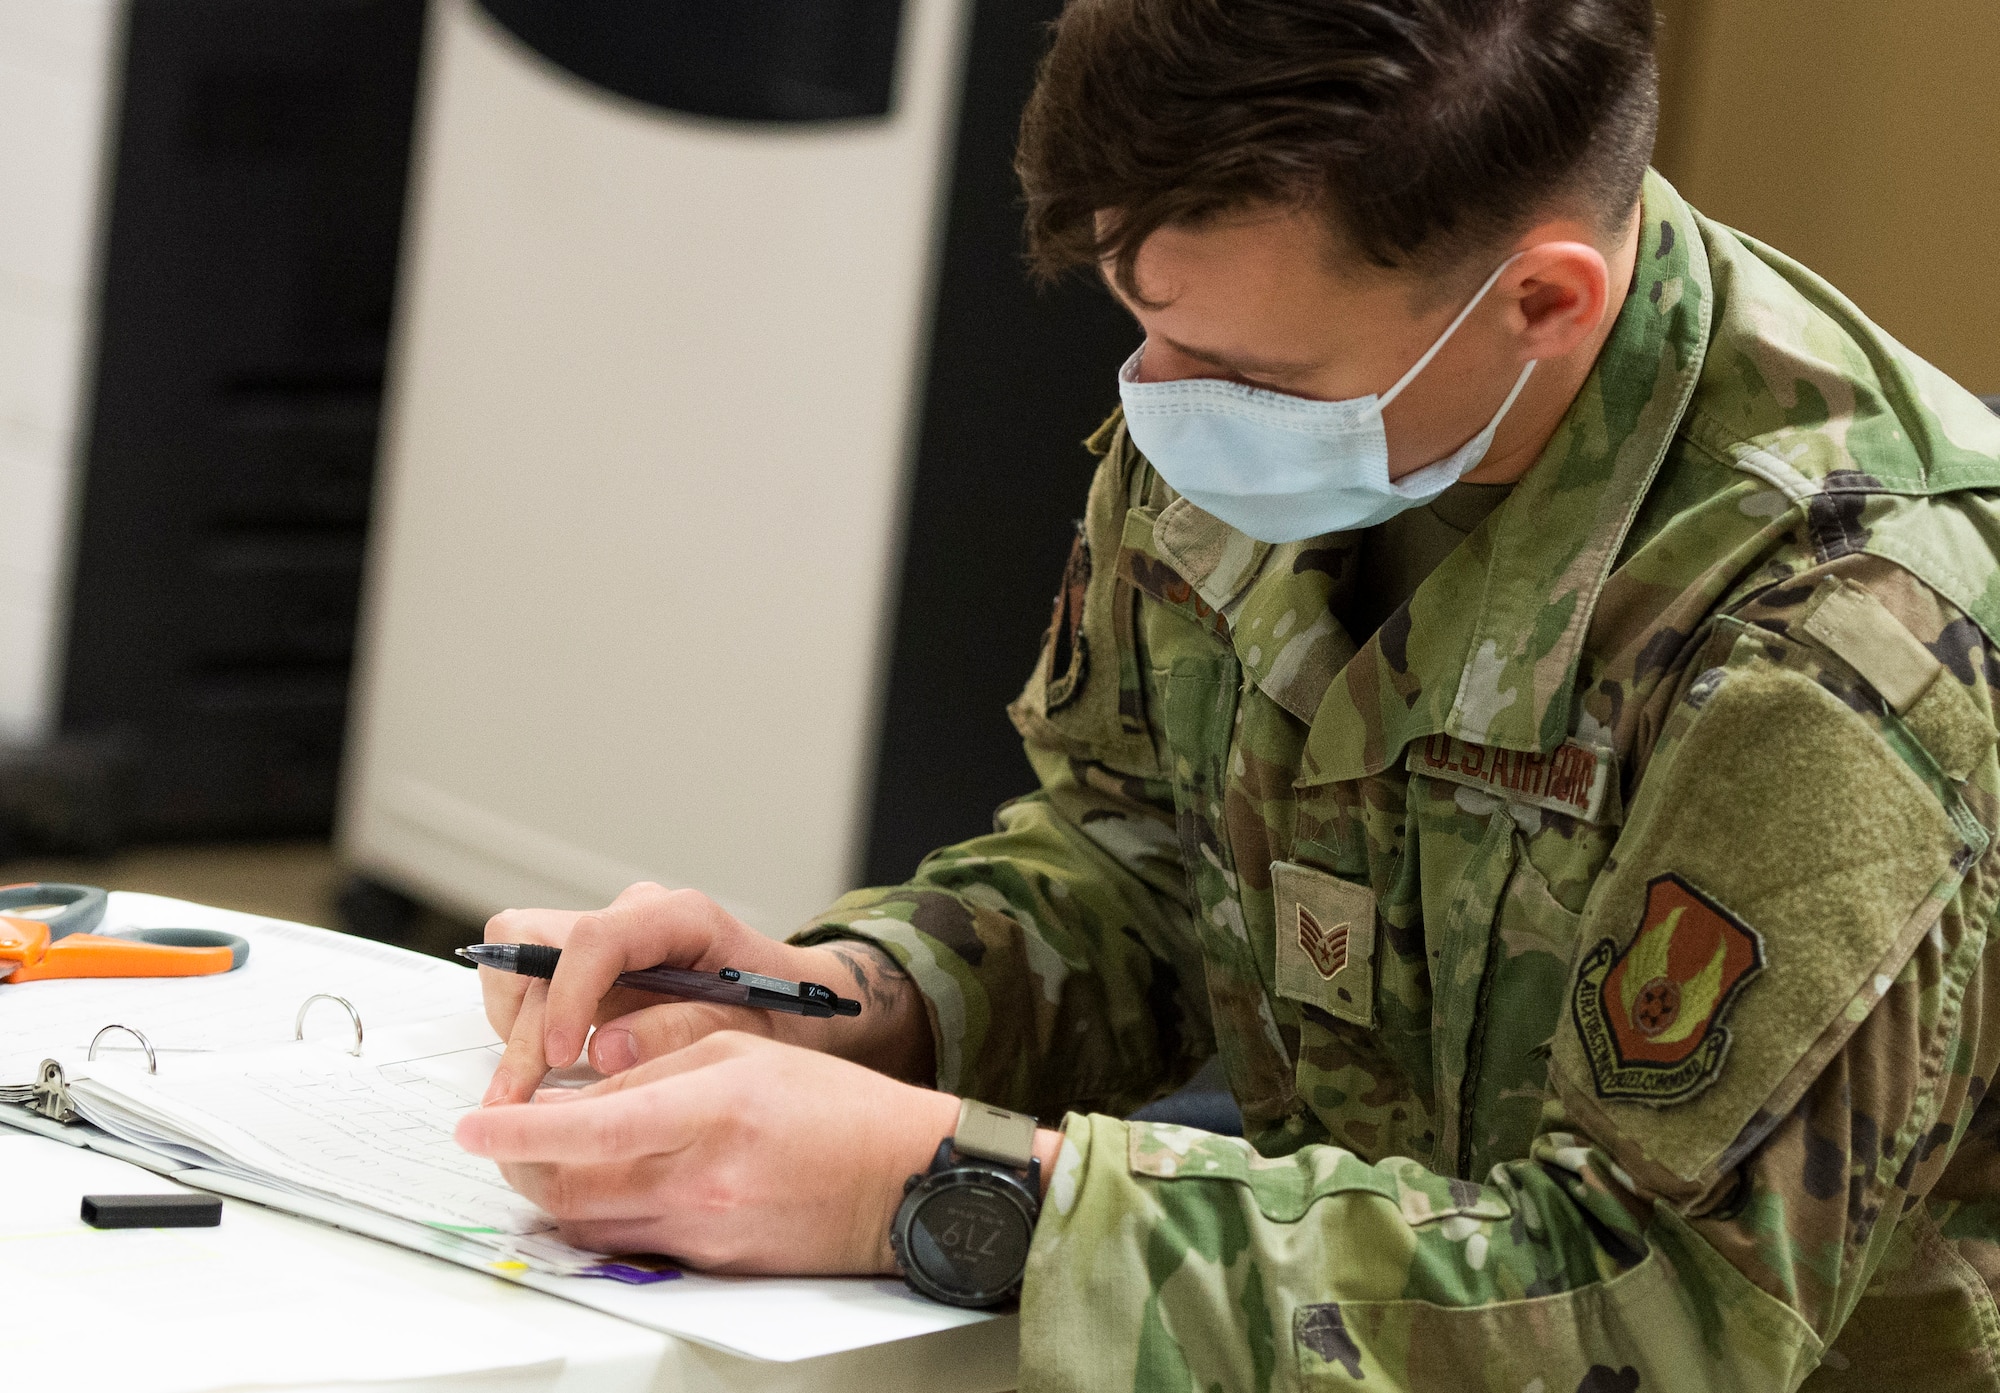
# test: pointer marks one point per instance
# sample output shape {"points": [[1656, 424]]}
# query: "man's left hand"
{"points": [[735, 1154]]}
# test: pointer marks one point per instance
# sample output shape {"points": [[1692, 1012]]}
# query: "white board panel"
{"points": [[58, 79], [642, 480]]}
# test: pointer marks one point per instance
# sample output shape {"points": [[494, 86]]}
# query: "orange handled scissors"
{"points": [[45, 928]]}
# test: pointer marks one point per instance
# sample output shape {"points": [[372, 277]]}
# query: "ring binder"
{"points": [[299, 1025], [48, 1096], [152, 1060]]}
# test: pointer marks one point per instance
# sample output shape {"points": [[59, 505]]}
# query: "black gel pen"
{"points": [[730, 986]]}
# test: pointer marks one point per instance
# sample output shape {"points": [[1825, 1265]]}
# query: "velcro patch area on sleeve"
{"points": [[1080, 697], [1777, 857]]}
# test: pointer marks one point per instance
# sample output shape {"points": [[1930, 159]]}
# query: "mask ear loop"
{"points": [[1445, 337], [1520, 386]]}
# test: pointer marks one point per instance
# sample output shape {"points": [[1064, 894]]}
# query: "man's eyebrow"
{"points": [[1249, 367]]}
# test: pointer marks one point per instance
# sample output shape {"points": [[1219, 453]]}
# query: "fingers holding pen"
{"points": [[646, 926], [658, 1032], [503, 992]]}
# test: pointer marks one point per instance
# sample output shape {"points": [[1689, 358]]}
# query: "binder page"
{"points": [[376, 1132], [251, 1007]]}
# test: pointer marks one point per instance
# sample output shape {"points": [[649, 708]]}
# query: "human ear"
{"points": [[1558, 293]]}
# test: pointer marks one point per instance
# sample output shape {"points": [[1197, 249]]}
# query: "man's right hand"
{"points": [[545, 1023]]}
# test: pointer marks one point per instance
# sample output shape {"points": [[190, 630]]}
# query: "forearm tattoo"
{"points": [[879, 980]]}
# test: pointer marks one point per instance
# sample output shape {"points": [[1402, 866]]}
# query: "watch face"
{"points": [[970, 1239]]}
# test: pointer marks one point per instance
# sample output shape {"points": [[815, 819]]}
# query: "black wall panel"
{"points": [[1017, 378], [261, 154], [745, 60]]}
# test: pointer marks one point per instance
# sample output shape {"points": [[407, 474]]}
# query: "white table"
{"points": [[268, 1300], [272, 1301]]}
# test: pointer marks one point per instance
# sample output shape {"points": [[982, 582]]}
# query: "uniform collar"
{"points": [[1213, 557], [1487, 648]]}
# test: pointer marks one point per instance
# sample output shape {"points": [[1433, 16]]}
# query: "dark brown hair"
{"points": [[1426, 130]]}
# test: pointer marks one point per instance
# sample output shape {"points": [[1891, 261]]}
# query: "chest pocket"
{"points": [[1499, 943], [1350, 960], [1198, 713], [1427, 1007]]}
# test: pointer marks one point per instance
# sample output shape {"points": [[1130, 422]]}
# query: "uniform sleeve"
{"points": [[1055, 956], [1774, 1047]]}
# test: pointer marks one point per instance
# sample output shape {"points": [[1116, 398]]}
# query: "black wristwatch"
{"points": [[962, 1232]]}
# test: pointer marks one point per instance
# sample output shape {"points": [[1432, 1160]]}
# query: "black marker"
{"points": [[730, 986]]}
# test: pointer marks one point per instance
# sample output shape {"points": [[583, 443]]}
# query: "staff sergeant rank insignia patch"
{"points": [[1326, 948], [1650, 1018]]}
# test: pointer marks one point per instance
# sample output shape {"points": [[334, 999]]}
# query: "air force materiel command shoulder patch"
{"points": [[1650, 1018]]}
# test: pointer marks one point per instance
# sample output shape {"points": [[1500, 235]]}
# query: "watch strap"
{"points": [[994, 1134]]}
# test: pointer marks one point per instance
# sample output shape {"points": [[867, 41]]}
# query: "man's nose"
{"points": [[1161, 362]]}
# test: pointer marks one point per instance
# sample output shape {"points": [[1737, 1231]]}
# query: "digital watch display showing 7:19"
{"points": [[970, 1238]]}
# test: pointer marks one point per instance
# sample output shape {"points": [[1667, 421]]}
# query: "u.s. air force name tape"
{"points": [[1573, 778]]}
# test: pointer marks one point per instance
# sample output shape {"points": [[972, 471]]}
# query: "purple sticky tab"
{"points": [[632, 1276]]}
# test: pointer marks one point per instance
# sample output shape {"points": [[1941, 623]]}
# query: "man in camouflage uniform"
{"points": [[1596, 948], [1718, 671]]}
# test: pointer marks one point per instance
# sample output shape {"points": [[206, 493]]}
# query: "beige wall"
{"points": [[1861, 137]]}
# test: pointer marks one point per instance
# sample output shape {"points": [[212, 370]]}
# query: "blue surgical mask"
{"points": [[1282, 468]]}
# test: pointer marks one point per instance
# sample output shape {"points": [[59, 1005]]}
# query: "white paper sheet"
{"points": [[375, 1130]]}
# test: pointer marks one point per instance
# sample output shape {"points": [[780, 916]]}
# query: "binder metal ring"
{"points": [[47, 1096], [152, 1060], [299, 1025]]}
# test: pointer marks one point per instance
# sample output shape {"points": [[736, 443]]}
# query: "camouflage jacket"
{"points": [[1597, 951]]}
